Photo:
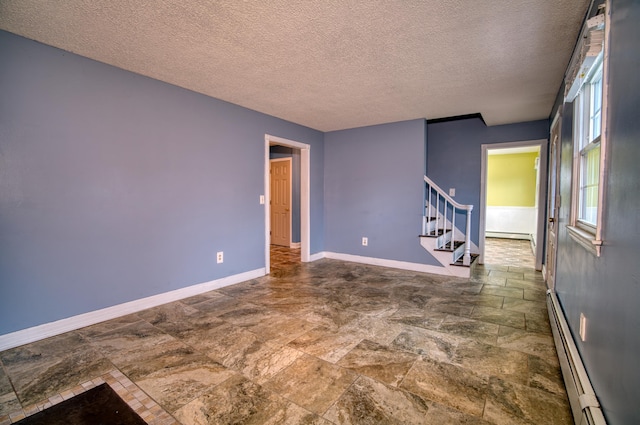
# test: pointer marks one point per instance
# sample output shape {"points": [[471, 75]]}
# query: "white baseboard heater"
{"points": [[584, 403]]}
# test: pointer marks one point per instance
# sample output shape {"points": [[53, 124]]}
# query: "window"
{"points": [[586, 88], [588, 113]]}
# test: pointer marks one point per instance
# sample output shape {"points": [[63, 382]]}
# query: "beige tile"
{"points": [[489, 280], [546, 375], [499, 316], [321, 314], [470, 328], [326, 344], [108, 325], [524, 306], [526, 284], [179, 380], [509, 403], [538, 322], [450, 305], [538, 344], [434, 345], [378, 361], [312, 383], [380, 330], [482, 300], [258, 360], [280, 329], [206, 296], [240, 401], [368, 401], [45, 368], [129, 341], [448, 384], [421, 318], [539, 295], [535, 276], [506, 275], [9, 403], [220, 305], [502, 291], [442, 415], [491, 360]]}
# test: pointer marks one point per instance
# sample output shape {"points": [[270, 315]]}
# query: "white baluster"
{"points": [[430, 207], [466, 260], [437, 214], [453, 226]]}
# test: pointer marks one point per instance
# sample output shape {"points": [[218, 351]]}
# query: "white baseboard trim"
{"points": [[394, 264], [509, 235], [317, 256], [36, 333], [294, 245]]}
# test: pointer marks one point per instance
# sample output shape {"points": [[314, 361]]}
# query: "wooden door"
{"points": [[281, 201], [553, 203]]}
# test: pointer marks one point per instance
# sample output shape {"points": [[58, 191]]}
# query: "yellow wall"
{"points": [[511, 180]]}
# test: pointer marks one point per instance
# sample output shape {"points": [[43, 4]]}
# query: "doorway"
{"points": [[304, 202], [512, 201]]}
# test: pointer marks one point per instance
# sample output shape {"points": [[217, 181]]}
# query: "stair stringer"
{"points": [[444, 258]]}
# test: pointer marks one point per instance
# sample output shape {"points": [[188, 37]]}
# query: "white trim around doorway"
{"points": [[305, 184], [542, 204]]}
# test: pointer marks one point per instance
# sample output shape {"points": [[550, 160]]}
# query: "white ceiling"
{"points": [[328, 64]]}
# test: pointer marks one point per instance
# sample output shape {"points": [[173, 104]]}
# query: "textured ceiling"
{"points": [[330, 64]]}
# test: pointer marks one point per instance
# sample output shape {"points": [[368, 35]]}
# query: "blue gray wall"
{"points": [[374, 188], [607, 289], [454, 155], [115, 187], [285, 152]]}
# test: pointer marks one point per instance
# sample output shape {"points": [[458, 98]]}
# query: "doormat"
{"points": [[97, 406]]}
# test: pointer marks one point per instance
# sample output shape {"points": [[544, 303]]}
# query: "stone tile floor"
{"points": [[319, 343]]}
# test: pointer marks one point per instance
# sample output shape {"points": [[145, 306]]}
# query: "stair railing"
{"points": [[439, 206]]}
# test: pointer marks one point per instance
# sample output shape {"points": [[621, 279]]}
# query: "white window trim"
{"points": [[593, 240]]}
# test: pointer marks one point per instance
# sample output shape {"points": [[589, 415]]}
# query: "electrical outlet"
{"points": [[365, 241], [452, 191], [583, 327], [220, 257]]}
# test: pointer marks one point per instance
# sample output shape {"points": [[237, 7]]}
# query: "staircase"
{"points": [[441, 236]]}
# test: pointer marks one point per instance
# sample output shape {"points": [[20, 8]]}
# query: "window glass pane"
{"points": [[595, 108], [589, 189]]}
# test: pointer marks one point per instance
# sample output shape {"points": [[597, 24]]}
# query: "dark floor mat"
{"points": [[98, 406]]}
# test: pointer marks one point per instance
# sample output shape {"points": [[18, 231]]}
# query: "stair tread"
{"points": [[459, 263], [440, 233]]}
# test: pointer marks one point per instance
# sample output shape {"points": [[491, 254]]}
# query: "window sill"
{"points": [[585, 239]]}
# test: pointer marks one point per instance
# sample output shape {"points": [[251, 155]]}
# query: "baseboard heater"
{"points": [[584, 403]]}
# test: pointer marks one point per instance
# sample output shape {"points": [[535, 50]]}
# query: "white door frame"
{"points": [[549, 268], [305, 180], [542, 176]]}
